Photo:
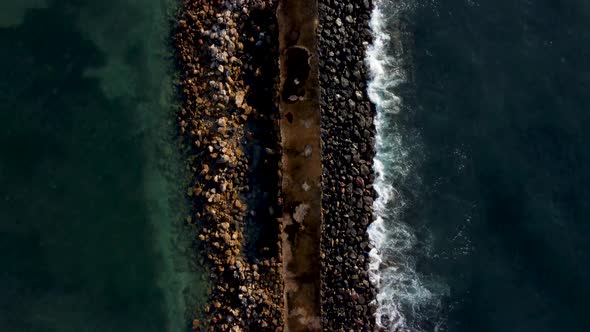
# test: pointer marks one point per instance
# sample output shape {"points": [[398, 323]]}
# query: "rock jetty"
{"points": [[348, 140], [227, 58], [227, 55]]}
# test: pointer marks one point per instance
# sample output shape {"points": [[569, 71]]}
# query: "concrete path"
{"points": [[301, 163]]}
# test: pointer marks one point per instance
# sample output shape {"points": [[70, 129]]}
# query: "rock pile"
{"points": [[219, 92], [348, 138]]}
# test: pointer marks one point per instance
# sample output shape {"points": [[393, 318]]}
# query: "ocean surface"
{"points": [[92, 201], [483, 160], [484, 165]]}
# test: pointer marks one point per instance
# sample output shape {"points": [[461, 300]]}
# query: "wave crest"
{"points": [[401, 292]]}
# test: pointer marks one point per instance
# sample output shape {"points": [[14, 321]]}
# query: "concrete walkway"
{"points": [[301, 163]]}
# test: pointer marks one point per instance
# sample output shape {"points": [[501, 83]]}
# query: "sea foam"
{"points": [[401, 292]]}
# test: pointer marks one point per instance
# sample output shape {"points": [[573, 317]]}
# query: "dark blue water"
{"points": [[91, 203], [494, 115]]}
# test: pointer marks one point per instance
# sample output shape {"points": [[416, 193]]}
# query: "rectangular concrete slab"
{"points": [[301, 162]]}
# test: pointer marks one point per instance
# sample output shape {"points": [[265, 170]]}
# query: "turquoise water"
{"points": [[91, 182]]}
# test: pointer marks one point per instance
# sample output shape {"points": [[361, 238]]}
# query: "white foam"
{"points": [[401, 292]]}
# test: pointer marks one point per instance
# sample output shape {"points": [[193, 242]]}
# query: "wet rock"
{"points": [[348, 139], [365, 171], [196, 325]]}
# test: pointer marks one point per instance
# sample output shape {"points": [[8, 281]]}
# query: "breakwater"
{"points": [[226, 56], [348, 149], [280, 131]]}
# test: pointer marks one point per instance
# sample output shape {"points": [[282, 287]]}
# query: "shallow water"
{"points": [[487, 153], [91, 182]]}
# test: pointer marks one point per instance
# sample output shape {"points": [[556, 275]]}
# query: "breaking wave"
{"points": [[402, 296]]}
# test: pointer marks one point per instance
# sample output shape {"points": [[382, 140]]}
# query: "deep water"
{"points": [[492, 129], [91, 181]]}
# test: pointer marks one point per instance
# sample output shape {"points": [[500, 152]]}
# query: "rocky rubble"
{"points": [[226, 56], [348, 139], [220, 88]]}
